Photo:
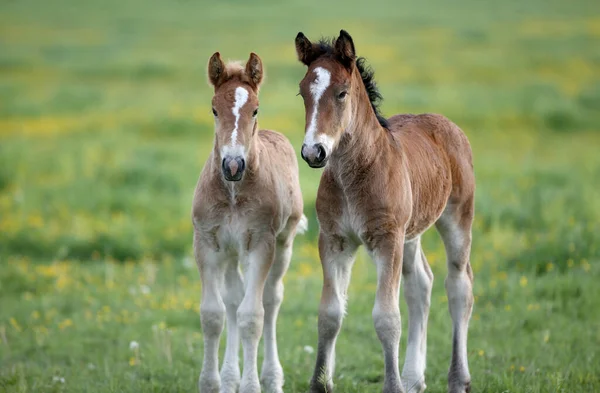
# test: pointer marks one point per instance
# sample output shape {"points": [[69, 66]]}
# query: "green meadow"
{"points": [[105, 124]]}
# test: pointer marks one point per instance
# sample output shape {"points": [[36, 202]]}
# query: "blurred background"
{"points": [[105, 124]]}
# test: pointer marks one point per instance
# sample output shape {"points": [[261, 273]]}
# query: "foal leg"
{"points": [[212, 314], [337, 257], [454, 227], [418, 281], [250, 314], [387, 255], [272, 373], [233, 294]]}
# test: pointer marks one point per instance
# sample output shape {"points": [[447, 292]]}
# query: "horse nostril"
{"points": [[233, 167], [302, 152], [320, 152]]}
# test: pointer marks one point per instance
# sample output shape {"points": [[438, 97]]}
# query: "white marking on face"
{"points": [[326, 141], [241, 97], [317, 88], [233, 149]]}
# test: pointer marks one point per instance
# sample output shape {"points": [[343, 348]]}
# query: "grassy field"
{"points": [[105, 124]]}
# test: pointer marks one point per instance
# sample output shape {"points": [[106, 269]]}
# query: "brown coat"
{"points": [[385, 182]]}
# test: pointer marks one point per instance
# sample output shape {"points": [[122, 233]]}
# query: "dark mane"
{"points": [[367, 74], [368, 77]]}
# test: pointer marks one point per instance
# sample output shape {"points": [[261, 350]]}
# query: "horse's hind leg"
{"points": [[272, 373], [212, 313], [418, 281], [454, 227]]}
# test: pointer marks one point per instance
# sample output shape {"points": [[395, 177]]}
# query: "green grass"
{"points": [[105, 124]]}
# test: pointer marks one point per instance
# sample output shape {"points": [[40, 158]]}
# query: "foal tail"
{"points": [[302, 226]]}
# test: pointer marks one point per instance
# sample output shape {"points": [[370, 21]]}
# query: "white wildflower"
{"points": [[308, 349], [188, 262], [134, 345]]}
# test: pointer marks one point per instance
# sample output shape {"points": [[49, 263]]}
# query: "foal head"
{"points": [[235, 109], [335, 82]]}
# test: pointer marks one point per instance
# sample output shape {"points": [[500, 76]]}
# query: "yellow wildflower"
{"points": [[523, 281], [65, 324], [585, 265], [546, 336], [35, 221], [15, 325], [188, 304]]}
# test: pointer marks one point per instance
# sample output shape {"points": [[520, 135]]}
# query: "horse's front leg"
{"points": [[257, 261], [337, 257], [386, 250], [212, 313], [233, 294]]}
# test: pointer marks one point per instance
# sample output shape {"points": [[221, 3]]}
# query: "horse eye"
{"points": [[255, 112], [214, 112], [342, 95]]}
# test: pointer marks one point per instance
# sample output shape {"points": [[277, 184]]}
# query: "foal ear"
{"points": [[344, 49], [254, 69], [304, 49], [216, 69]]}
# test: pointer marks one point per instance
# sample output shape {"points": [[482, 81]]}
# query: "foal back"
{"points": [[438, 159]]}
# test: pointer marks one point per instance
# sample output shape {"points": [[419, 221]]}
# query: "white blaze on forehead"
{"points": [[317, 88], [241, 97]]}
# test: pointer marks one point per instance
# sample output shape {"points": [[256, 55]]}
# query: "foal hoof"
{"points": [[230, 387], [459, 387], [271, 380], [209, 385], [414, 386], [393, 388], [230, 379], [252, 386]]}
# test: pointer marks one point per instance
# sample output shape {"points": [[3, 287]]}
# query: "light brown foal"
{"points": [[247, 208], [384, 184]]}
